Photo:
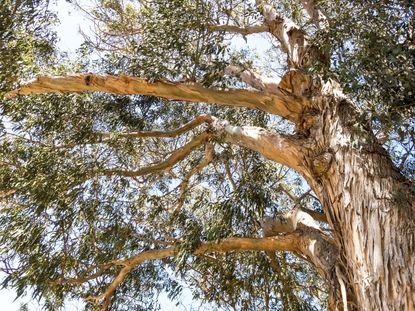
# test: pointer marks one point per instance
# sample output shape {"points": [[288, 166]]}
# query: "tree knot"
{"points": [[321, 163]]}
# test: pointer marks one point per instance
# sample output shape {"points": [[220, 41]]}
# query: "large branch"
{"points": [[318, 248], [281, 103], [284, 149], [297, 200], [291, 37]]}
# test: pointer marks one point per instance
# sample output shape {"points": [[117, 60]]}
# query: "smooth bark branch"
{"points": [[283, 149], [281, 103], [143, 134], [316, 215], [240, 30], [297, 200], [160, 134], [253, 79], [290, 35]]}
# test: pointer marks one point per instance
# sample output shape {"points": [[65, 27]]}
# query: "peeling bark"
{"points": [[370, 207]]}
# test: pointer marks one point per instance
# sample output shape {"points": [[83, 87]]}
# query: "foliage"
{"points": [[26, 39], [373, 57]]}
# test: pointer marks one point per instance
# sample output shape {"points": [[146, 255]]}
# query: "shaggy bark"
{"points": [[370, 207]]}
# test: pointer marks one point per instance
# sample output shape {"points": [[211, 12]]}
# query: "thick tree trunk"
{"points": [[370, 206]]}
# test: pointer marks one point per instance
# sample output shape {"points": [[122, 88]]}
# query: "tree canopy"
{"points": [[126, 191]]}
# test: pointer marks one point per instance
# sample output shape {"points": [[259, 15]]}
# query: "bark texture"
{"points": [[369, 205]]}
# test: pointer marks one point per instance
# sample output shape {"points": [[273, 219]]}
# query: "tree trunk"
{"points": [[370, 207]]}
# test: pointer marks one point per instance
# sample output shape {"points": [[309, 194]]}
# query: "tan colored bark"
{"points": [[279, 102], [285, 149], [366, 200], [177, 156], [160, 134], [371, 209], [142, 134], [253, 79]]}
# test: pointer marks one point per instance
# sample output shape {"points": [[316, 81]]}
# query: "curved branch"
{"points": [[281, 102], [143, 134], [289, 242], [297, 200], [316, 215], [160, 134], [177, 155], [309, 244]]}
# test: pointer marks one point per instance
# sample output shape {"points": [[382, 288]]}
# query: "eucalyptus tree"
{"points": [[166, 158]]}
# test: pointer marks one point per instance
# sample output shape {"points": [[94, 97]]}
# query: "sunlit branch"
{"points": [[281, 103], [160, 134], [304, 242], [283, 149], [297, 200], [253, 79], [280, 243]]}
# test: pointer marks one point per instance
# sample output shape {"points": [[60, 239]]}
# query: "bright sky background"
{"points": [[71, 21]]}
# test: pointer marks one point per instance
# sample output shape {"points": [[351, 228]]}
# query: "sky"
{"points": [[71, 22]]}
